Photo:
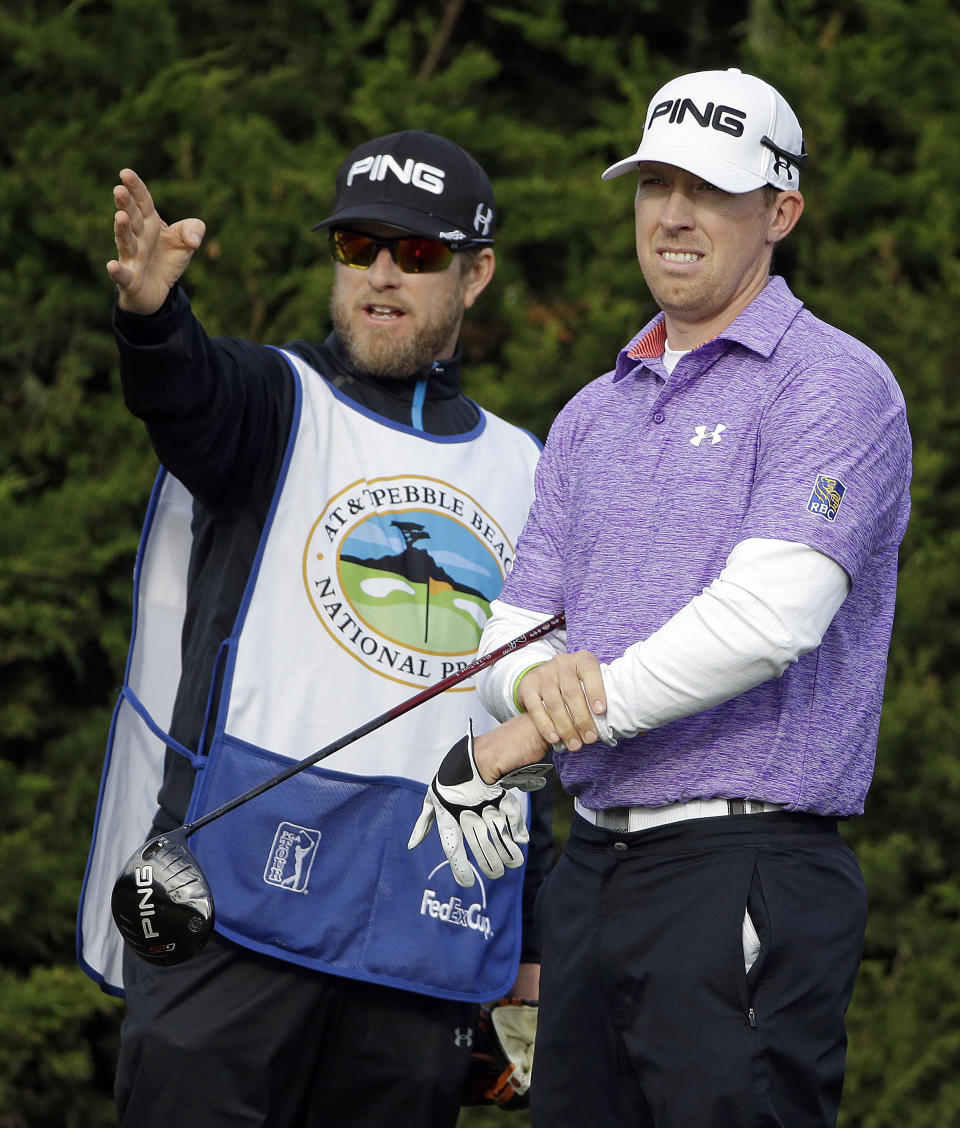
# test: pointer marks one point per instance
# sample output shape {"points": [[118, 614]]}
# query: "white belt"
{"points": [[629, 819]]}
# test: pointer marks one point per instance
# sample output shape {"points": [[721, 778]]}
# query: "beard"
{"points": [[387, 354]]}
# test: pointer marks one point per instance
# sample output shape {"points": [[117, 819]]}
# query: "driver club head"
{"points": [[162, 902]]}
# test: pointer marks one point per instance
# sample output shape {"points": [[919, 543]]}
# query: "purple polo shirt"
{"points": [[782, 427]]}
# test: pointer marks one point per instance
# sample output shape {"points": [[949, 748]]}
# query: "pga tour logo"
{"points": [[453, 911], [291, 857]]}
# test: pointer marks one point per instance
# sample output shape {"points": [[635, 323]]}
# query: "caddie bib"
{"points": [[382, 551]]}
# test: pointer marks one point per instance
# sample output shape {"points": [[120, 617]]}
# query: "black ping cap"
{"points": [[420, 182]]}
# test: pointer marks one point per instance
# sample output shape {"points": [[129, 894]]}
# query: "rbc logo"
{"points": [[826, 497]]}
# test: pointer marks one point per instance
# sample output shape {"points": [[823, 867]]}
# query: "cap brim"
{"points": [[723, 174], [407, 219]]}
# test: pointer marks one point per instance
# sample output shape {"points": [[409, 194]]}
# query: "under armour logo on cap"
{"points": [[482, 219], [419, 182], [734, 130]]}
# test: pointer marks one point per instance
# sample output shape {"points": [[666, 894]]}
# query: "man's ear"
{"points": [[784, 215], [479, 274]]}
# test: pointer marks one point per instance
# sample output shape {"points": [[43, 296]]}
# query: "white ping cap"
{"points": [[732, 129]]}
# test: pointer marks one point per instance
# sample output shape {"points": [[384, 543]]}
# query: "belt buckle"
{"points": [[617, 818]]}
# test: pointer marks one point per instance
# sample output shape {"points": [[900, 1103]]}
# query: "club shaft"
{"points": [[431, 691]]}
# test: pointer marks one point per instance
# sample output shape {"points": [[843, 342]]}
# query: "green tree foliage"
{"points": [[240, 113]]}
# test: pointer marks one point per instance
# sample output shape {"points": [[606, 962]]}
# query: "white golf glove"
{"points": [[501, 1068], [487, 816]]}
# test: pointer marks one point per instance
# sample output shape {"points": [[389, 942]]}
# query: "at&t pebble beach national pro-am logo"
{"points": [[401, 572]]}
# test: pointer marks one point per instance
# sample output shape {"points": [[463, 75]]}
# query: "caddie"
{"points": [[329, 528]]}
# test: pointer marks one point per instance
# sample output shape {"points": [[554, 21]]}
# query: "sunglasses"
{"points": [[412, 253]]}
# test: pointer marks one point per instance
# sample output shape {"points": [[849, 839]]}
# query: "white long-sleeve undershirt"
{"points": [[771, 604]]}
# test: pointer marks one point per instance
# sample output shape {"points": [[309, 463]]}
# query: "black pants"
{"points": [[231, 1039], [648, 1018]]}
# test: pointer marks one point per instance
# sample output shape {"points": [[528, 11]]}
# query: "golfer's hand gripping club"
{"points": [[469, 812]]}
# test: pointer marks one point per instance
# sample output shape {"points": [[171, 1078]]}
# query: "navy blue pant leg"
{"points": [[648, 1018]]}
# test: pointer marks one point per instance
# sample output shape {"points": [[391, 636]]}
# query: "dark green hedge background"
{"points": [[239, 112]]}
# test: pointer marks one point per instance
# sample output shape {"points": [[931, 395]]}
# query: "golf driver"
{"points": [[161, 901]]}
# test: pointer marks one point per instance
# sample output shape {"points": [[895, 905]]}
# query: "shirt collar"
{"points": [[760, 328]]}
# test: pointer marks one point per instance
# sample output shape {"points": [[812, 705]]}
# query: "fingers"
{"points": [[421, 827], [121, 275], [494, 837], [135, 207], [451, 839], [485, 852], [121, 269], [591, 678], [151, 255], [490, 841], [137, 217], [558, 697], [132, 193], [191, 232], [517, 828], [502, 836]]}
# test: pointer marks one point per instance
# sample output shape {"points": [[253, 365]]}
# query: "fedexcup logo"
{"points": [[452, 910], [401, 573]]}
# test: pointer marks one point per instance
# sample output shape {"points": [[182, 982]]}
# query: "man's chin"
{"points": [[398, 350], [385, 354]]}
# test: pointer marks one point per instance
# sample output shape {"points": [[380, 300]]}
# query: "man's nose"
{"points": [[677, 211], [383, 271]]}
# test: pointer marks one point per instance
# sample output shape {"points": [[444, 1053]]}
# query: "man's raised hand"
{"points": [[151, 254]]}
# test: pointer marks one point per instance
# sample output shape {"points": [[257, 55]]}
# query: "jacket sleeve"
{"points": [[217, 410]]}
